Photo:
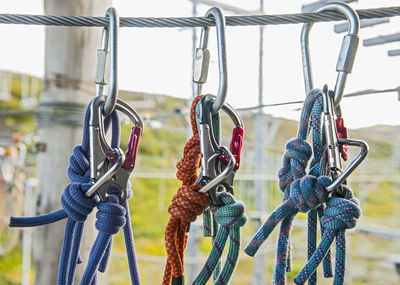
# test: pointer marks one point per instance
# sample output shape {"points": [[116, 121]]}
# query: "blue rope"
{"points": [[76, 207], [318, 143], [304, 193], [340, 214]]}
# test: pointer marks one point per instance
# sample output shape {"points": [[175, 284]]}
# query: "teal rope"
{"points": [[230, 217]]}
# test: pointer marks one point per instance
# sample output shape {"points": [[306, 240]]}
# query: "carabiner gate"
{"points": [[333, 145], [109, 40], [202, 59], [111, 166], [219, 164], [347, 52]]}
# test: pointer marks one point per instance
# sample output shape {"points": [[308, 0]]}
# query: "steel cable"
{"points": [[255, 20]]}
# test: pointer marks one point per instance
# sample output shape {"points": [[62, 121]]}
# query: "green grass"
{"points": [[10, 267]]}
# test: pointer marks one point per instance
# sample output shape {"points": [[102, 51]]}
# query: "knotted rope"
{"points": [[186, 205], [230, 217], [340, 214], [76, 207], [301, 192]]}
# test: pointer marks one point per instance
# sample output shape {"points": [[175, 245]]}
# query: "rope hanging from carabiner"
{"points": [[186, 205], [302, 192], [230, 217], [111, 216], [341, 213], [308, 193]]}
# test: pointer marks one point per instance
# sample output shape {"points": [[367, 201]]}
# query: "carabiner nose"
{"points": [[202, 59], [109, 40], [347, 52]]}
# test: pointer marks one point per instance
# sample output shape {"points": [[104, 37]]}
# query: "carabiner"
{"points": [[219, 164], [333, 144], [202, 59], [347, 53], [109, 43], [110, 166]]}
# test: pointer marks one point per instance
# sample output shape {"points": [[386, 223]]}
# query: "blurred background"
{"points": [[46, 82]]}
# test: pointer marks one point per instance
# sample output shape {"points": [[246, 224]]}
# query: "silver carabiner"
{"points": [[105, 162], [109, 43], [218, 164], [202, 59], [333, 143], [347, 52], [213, 183]]}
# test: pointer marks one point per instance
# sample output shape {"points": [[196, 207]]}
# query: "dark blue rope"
{"points": [[76, 207], [110, 219]]}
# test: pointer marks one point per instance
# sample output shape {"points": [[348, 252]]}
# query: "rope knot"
{"points": [[341, 213], [75, 203], [309, 192], [187, 204], [231, 214], [295, 160], [78, 170], [187, 166], [110, 216]]}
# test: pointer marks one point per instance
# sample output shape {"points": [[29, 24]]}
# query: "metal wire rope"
{"points": [[86, 21]]}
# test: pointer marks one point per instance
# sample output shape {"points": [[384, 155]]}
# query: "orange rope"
{"points": [[186, 205]]}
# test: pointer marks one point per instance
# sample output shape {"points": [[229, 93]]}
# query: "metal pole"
{"points": [[259, 266], [395, 52], [29, 210], [381, 40], [69, 64], [193, 240]]}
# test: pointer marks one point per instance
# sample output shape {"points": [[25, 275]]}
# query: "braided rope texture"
{"points": [[340, 214], [76, 207], [254, 20], [302, 192], [186, 205], [230, 217]]}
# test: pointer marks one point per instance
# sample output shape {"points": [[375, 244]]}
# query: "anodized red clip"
{"points": [[342, 134], [133, 144], [132, 148], [235, 146]]}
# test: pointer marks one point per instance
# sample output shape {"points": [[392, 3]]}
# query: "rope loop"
{"points": [[295, 160], [110, 216], [187, 166], [78, 170], [187, 204], [230, 215], [309, 192], [341, 213], [75, 203]]}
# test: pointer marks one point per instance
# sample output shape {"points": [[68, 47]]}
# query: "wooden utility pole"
{"points": [[69, 69]]}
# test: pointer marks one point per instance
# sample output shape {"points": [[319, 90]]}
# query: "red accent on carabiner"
{"points": [[342, 134], [133, 144], [235, 146]]}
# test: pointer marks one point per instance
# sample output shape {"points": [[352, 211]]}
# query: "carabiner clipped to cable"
{"points": [[110, 167], [347, 52], [109, 40], [202, 59], [333, 144], [219, 164]]}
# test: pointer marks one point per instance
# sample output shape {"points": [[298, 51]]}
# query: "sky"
{"points": [[160, 60]]}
